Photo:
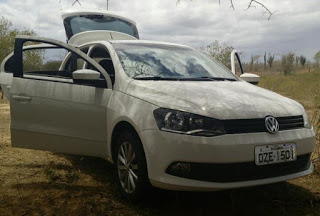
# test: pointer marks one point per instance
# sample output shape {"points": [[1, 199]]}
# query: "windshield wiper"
{"points": [[216, 78], [154, 78], [184, 78]]}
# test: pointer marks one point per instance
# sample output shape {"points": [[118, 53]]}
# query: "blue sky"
{"points": [[294, 28]]}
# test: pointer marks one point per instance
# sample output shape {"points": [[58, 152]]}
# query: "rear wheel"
{"points": [[131, 166]]}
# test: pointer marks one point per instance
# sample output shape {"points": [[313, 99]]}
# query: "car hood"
{"points": [[217, 99]]}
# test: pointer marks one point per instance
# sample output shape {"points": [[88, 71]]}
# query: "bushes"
{"points": [[287, 63], [219, 51]]}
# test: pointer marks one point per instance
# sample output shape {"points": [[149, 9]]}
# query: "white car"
{"points": [[164, 114]]}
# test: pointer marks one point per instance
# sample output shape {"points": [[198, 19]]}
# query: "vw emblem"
{"points": [[272, 124]]}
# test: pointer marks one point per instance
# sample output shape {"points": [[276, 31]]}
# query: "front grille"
{"points": [[235, 172], [258, 125]]}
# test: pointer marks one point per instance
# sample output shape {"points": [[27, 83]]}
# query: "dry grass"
{"points": [[303, 87], [43, 183]]}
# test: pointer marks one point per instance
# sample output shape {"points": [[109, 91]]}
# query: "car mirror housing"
{"points": [[250, 78], [85, 74]]}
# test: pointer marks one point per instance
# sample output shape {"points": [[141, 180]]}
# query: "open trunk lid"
{"points": [[76, 22]]}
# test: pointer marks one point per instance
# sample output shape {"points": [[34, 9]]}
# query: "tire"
{"points": [[130, 161]]}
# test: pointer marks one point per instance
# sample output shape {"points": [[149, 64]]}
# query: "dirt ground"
{"points": [[43, 183]]}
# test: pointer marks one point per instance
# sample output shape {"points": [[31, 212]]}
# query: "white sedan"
{"points": [[164, 114]]}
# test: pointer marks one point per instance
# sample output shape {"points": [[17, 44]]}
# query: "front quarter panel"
{"points": [[123, 107]]}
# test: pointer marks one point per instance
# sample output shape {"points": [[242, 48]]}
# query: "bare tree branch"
{"points": [[266, 10], [76, 1], [251, 2], [231, 6]]}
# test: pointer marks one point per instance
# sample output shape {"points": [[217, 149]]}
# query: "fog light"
{"points": [[180, 169]]}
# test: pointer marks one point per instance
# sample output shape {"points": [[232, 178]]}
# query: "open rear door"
{"points": [[235, 58], [248, 77]]}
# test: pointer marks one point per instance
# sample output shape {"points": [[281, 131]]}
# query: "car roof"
{"points": [[147, 42]]}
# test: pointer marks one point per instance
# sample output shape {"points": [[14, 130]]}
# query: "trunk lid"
{"points": [[76, 22]]}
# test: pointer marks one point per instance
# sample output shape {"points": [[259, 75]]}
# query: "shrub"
{"points": [[287, 63], [303, 60]]}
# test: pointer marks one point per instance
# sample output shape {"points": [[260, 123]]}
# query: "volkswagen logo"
{"points": [[272, 124]]}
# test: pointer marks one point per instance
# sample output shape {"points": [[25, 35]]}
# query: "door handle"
{"points": [[8, 87], [21, 98]]}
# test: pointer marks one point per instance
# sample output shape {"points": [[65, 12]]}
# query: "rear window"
{"points": [[83, 23]]}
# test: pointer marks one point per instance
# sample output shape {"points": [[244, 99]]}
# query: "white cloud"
{"points": [[295, 27]]}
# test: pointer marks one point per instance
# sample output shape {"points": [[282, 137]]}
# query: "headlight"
{"points": [[187, 123], [307, 123]]}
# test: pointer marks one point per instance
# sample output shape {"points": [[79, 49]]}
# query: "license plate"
{"points": [[275, 154]]}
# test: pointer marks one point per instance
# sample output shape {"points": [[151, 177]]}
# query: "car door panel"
{"points": [[79, 115], [6, 75], [57, 115]]}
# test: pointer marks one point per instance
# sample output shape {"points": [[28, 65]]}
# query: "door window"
{"points": [[60, 63], [101, 55], [46, 62]]}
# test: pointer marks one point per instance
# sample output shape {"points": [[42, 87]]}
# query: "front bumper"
{"points": [[164, 148]]}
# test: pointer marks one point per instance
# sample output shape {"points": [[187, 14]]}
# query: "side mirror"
{"points": [[85, 74], [250, 78], [89, 77]]}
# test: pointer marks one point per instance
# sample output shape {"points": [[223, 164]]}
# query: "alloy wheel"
{"points": [[127, 167]]}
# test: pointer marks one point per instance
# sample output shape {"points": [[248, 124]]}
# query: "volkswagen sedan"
{"points": [[166, 115]]}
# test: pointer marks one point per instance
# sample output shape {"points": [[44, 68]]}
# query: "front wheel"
{"points": [[131, 166]]}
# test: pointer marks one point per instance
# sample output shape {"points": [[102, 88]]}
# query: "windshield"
{"points": [[78, 24], [163, 61]]}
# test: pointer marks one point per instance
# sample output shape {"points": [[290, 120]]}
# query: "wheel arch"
{"points": [[120, 127]]}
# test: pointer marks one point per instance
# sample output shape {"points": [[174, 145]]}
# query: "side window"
{"points": [[101, 56], [9, 65], [66, 64], [46, 62], [52, 60]]}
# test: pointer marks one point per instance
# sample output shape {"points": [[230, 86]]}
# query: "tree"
{"points": [[7, 39], [297, 61], [317, 58], [309, 65], [219, 51], [51, 65], [303, 60], [265, 60], [287, 63], [270, 60], [251, 63], [254, 61]]}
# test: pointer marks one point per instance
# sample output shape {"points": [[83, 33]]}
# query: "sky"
{"points": [[295, 27]]}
